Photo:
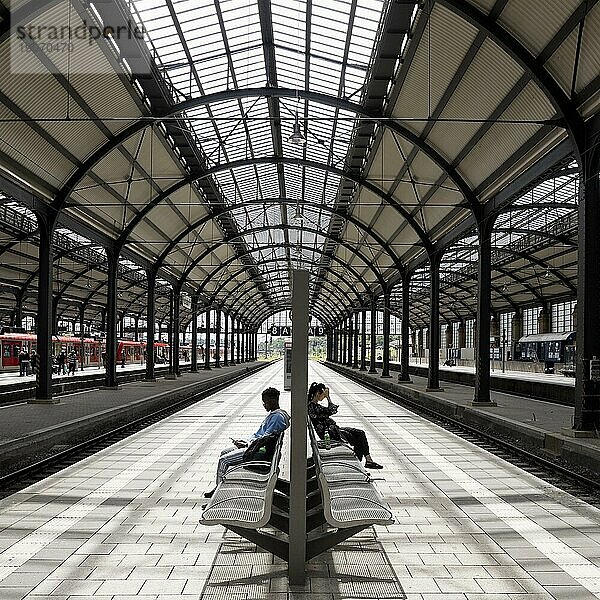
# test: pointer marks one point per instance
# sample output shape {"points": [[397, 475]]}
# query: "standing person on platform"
{"points": [[320, 417], [23, 362], [62, 362], [72, 362], [34, 361], [275, 422]]}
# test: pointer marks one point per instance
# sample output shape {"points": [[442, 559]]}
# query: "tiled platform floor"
{"points": [[124, 523]]}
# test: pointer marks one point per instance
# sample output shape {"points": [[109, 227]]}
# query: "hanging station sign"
{"points": [[286, 330]]}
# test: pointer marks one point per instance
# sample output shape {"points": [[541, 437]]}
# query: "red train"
{"points": [[131, 351]]}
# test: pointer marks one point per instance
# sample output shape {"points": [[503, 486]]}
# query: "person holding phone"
{"points": [[276, 421], [320, 417]]}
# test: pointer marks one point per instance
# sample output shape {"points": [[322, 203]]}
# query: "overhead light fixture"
{"points": [[297, 138], [298, 216], [547, 274]]}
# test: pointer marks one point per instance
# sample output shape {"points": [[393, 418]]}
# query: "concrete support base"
{"points": [[111, 387], [578, 433], [435, 389], [151, 379], [386, 377], [170, 376], [474, 403], [43, 401]]}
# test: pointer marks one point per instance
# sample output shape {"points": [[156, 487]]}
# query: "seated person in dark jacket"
{"points": [[276, 421], [320, 417]]}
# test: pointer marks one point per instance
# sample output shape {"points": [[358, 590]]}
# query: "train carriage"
{"points": [[549, 348]]}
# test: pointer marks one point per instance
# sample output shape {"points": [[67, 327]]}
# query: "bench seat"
{"points": [[349, 498], [244, 499]]}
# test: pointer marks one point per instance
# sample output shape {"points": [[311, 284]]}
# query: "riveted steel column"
{"points": [[373, 339], [350, 340], [194, 356], [355, 350], [112, 257], [218, 338], [297, 523], [363, 340], [82, 336], [344, 341], [433, 381], [226, 340], [238, 339], [171, 372], [484, 305], [175, 327], [17, 319], [587, 384], [405, 333], [335, 344], [387, 315], [233, 344], [207, 342], [43, 389], [150, 320]]}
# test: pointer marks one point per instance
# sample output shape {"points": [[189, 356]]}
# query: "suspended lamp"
{"points": [[297, 138]]}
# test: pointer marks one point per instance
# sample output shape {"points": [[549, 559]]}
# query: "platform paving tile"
{"points": [[468, 526]]}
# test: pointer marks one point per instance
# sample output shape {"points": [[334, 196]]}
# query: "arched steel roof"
{"points": [[415, 117]]}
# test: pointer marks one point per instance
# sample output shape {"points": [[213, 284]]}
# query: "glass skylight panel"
{"points": [[249, 68], [290, 68]]}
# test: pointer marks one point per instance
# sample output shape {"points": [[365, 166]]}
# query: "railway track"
{"points": [[582, 485], [56, 461]]}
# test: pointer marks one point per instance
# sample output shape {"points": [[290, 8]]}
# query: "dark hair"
{"points": [[314, 389], [271, 394]]}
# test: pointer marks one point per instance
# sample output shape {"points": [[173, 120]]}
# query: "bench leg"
{"points": [[266, 541], [329, 540]]}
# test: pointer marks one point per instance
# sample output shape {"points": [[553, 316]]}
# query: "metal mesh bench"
{"points": [[349, 498], [244, 499]]}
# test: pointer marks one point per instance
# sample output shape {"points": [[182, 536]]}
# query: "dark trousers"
{"points": [[357, 439]]}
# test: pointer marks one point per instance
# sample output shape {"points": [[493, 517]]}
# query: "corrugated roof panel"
{"points": [[560, 65], [530, 104], [80, 138], [484, 6], [49, 100], [488, 80], [432, 215], [424, 170], [445, 196], [188, 203], [413, 99], [168, 222], [388, 160], [405, 193], [534, 24], [449, 138], [589, 61], [26, 147], [366, 207], [113, 167], [499, 143], [435, 62], [387, 222], [446, 43]]}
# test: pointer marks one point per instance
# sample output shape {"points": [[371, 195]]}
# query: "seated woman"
{"points": [[322, 422]]}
